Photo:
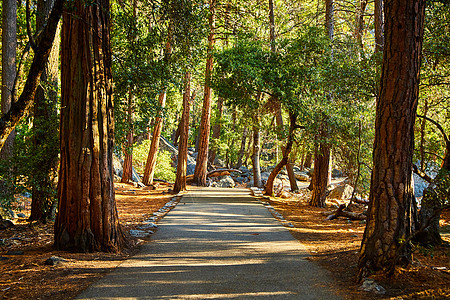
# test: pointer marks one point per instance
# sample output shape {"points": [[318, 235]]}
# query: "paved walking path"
{"points": [[217, 244]]}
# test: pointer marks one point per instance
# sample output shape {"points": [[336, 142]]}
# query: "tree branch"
{"points": [[421, 174], [441, 129]]}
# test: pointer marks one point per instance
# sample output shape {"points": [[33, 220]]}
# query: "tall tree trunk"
{"points": [[385, 241], [154, 146], [180, 181], [255, 157], [322, 154], [216, 129], [284, 161], [45, 130], [127, 173], [359, 22], [9, 48], [201, 167], [379, 25], [87, 217]]}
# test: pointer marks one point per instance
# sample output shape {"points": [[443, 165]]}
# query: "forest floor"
{"points": [[333, 244]]}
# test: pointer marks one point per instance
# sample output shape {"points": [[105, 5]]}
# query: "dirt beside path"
{"points": [[335, 245], [27, 277]]}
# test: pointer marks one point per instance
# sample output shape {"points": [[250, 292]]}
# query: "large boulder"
{"points": [[341, 192], [226, 182]]}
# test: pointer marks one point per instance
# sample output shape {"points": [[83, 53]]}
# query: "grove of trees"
{"points": [[263, 85]]}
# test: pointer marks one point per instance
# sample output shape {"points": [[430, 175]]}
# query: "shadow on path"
{"points": [[217, 244]]}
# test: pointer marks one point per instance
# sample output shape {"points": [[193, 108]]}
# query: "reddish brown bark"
{"points": [[180, 181], [87, 217], [319, 181], [201, 168], [390, 209]]}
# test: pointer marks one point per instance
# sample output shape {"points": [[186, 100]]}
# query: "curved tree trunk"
{"points": [[87, 217], [201, 168], [389, 215], [285, 159], [45, 145]]}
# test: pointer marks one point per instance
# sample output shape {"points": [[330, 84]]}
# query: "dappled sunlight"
{"points": [[218, 248]]}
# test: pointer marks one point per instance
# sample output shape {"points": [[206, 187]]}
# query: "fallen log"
{"points": [[221, 172], [340, 212], [361, 201]]}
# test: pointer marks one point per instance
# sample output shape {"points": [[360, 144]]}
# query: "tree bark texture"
{"points": [[201, 168], [216, 129], [284, 161], [87, 217], [20, 108], [359, 22], [319, 181], [379, 25], [390, 208], [45, 129], [9, 49], [180, 181]]}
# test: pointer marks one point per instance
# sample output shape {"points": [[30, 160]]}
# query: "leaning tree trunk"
{"points": [[45, 130], [149, 171], [180, 181], [386, 237], [285, 160], [87, 217], [201, 168]]}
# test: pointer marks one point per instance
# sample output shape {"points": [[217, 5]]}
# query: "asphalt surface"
{"points": [[217, 244]]}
